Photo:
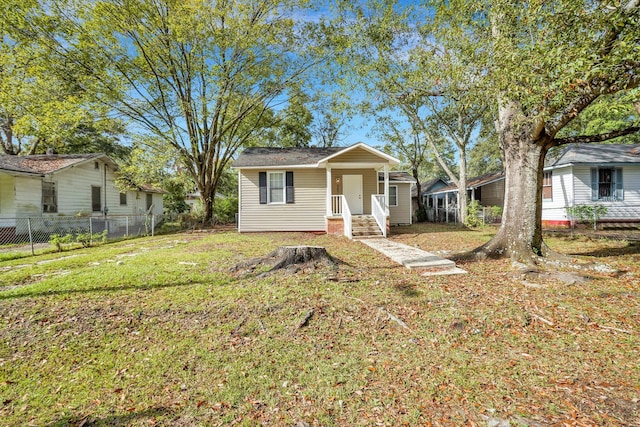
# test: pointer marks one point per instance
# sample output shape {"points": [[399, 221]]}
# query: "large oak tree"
{"points": [[199, 75]]}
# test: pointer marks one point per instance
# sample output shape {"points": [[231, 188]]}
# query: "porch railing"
{"points": [[340, 207], [346, 217], [336, 205], [379, 212]]}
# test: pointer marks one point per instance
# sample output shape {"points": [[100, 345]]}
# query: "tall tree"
{"points": [[198, 74], [42, 104], [545, 63], [434, 87]]}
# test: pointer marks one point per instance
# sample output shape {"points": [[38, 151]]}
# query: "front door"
{"points": [[352, 190]]}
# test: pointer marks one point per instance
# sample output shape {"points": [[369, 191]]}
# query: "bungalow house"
{"points": [[442, 202], [425, 188], [338, 190], [577, 174], [592, 174], [67, 184]]}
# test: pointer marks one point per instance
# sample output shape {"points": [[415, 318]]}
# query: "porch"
{"points": [[355, 208]]}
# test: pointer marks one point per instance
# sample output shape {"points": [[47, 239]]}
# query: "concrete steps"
{"points": [[364, 226]]}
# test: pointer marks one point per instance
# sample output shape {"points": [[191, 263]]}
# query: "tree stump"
{"points": [[291, 258]]}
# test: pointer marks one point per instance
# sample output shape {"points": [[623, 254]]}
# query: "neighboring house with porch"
{"points": [[442, 203], [575, 174], [425, 188], [68, 184], [338, 190]]}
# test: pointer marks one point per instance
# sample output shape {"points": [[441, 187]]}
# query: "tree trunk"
{"points": [[462, 185], [292, 258], [520, 234]]}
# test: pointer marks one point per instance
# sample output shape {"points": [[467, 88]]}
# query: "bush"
{"points": [[493, 214], [474, 219], [587, 213], [224, 210], [60, 242]]}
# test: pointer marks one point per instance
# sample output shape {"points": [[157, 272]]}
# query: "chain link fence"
{"points": [[29, 234]]}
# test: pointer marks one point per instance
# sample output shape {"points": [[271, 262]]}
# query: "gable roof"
{"points": [[427, 186], [472, 183], [42, 164], [255, 157], [397, 176], [593, 154]]}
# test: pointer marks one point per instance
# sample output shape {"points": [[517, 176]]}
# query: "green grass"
{"points": [[158, 331]]}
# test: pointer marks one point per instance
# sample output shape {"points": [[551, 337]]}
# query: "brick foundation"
{"points": [[335, 225]]}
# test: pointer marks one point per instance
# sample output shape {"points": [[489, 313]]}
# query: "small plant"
{"points": [[88, 239], [587, 213], [60, 242], [473, 215], [493, 214]]}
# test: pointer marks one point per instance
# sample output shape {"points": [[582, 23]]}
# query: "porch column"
{"points": [[446, 207], [386, 189], [329, 210]]}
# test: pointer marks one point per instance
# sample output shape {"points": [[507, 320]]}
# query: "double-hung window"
{"points": [[547, 186], [393, 195], [276, 187], [49, 197], [606, 184]]}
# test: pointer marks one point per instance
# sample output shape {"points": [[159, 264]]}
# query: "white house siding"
{"points": [[73, 186], [562, 187], [572, 186], [400, 214], [307, 213], [28, 196], [7, 199]]}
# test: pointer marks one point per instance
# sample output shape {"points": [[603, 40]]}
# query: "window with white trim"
{"points": [[49, 197], [393, 195], [547, 187], [606, 184], [275, 187]]}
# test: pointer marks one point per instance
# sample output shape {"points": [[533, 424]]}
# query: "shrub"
{"points": [[60, 242], [493, 214], [225, 209], [587, 213], [474, 218]]}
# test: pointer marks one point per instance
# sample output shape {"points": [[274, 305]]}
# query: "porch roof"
{"points": [[304, 157]]}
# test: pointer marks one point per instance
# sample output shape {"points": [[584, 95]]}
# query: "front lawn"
{"points": [[158, 331]]}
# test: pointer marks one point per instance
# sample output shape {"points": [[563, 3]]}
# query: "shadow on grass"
{"points": [[102, 289], [630, 249], [113, 420], [428, 227]]}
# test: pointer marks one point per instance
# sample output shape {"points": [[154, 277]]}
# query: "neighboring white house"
{"points": [[68, 184], [592, 174], [320, 189], [575, 174]]}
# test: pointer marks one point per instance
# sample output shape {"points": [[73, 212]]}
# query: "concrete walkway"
{"points": [[414, 258]]}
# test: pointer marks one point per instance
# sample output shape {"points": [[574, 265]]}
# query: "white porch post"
{"points": [[329, 209], [386, 189], [446, 207]]}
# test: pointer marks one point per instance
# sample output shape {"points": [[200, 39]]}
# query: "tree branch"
{"points": [[585, 139]]}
